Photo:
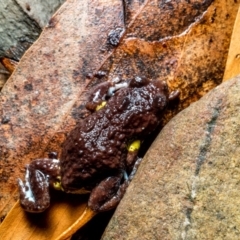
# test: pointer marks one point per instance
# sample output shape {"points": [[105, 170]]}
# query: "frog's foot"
{"points": [[107, 194], [34, 191]]}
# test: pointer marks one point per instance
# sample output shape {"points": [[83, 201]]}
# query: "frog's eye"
{"points": [[138, 82]]}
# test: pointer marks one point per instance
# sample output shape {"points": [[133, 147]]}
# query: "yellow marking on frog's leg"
{"points": [[101, 105], [134, 146], [58, 185]]}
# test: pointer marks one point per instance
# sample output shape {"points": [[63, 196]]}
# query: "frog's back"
{"points": [[97, 147]]}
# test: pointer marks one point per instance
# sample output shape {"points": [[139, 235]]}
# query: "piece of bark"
{"points": [[187, 186]]}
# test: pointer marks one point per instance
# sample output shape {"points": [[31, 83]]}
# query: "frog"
{"points": [[100, 155]]}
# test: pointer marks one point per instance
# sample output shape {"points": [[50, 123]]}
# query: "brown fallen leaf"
{"points": [[233, 61], [48, 225], [183, 43], [9, 64]]}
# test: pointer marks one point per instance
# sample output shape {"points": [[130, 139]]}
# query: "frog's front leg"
{"points": [[34, 191]]}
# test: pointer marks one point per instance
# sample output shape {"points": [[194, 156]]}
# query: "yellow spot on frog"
{"points": [[101, 105], [135, 145], [57, 185]]}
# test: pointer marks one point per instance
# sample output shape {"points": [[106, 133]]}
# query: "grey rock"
{"points": [[21, 22]]}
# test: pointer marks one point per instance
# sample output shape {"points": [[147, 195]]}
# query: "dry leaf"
{"points": [[233, 60], [48, 225], [180, 42], [9, 64], [187, 50]]}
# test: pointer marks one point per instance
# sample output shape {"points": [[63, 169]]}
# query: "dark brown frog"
{"points": [[98, 155]]}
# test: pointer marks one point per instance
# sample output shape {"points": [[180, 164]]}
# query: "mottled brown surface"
{"points": [[43, 98], [187, 186]]}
